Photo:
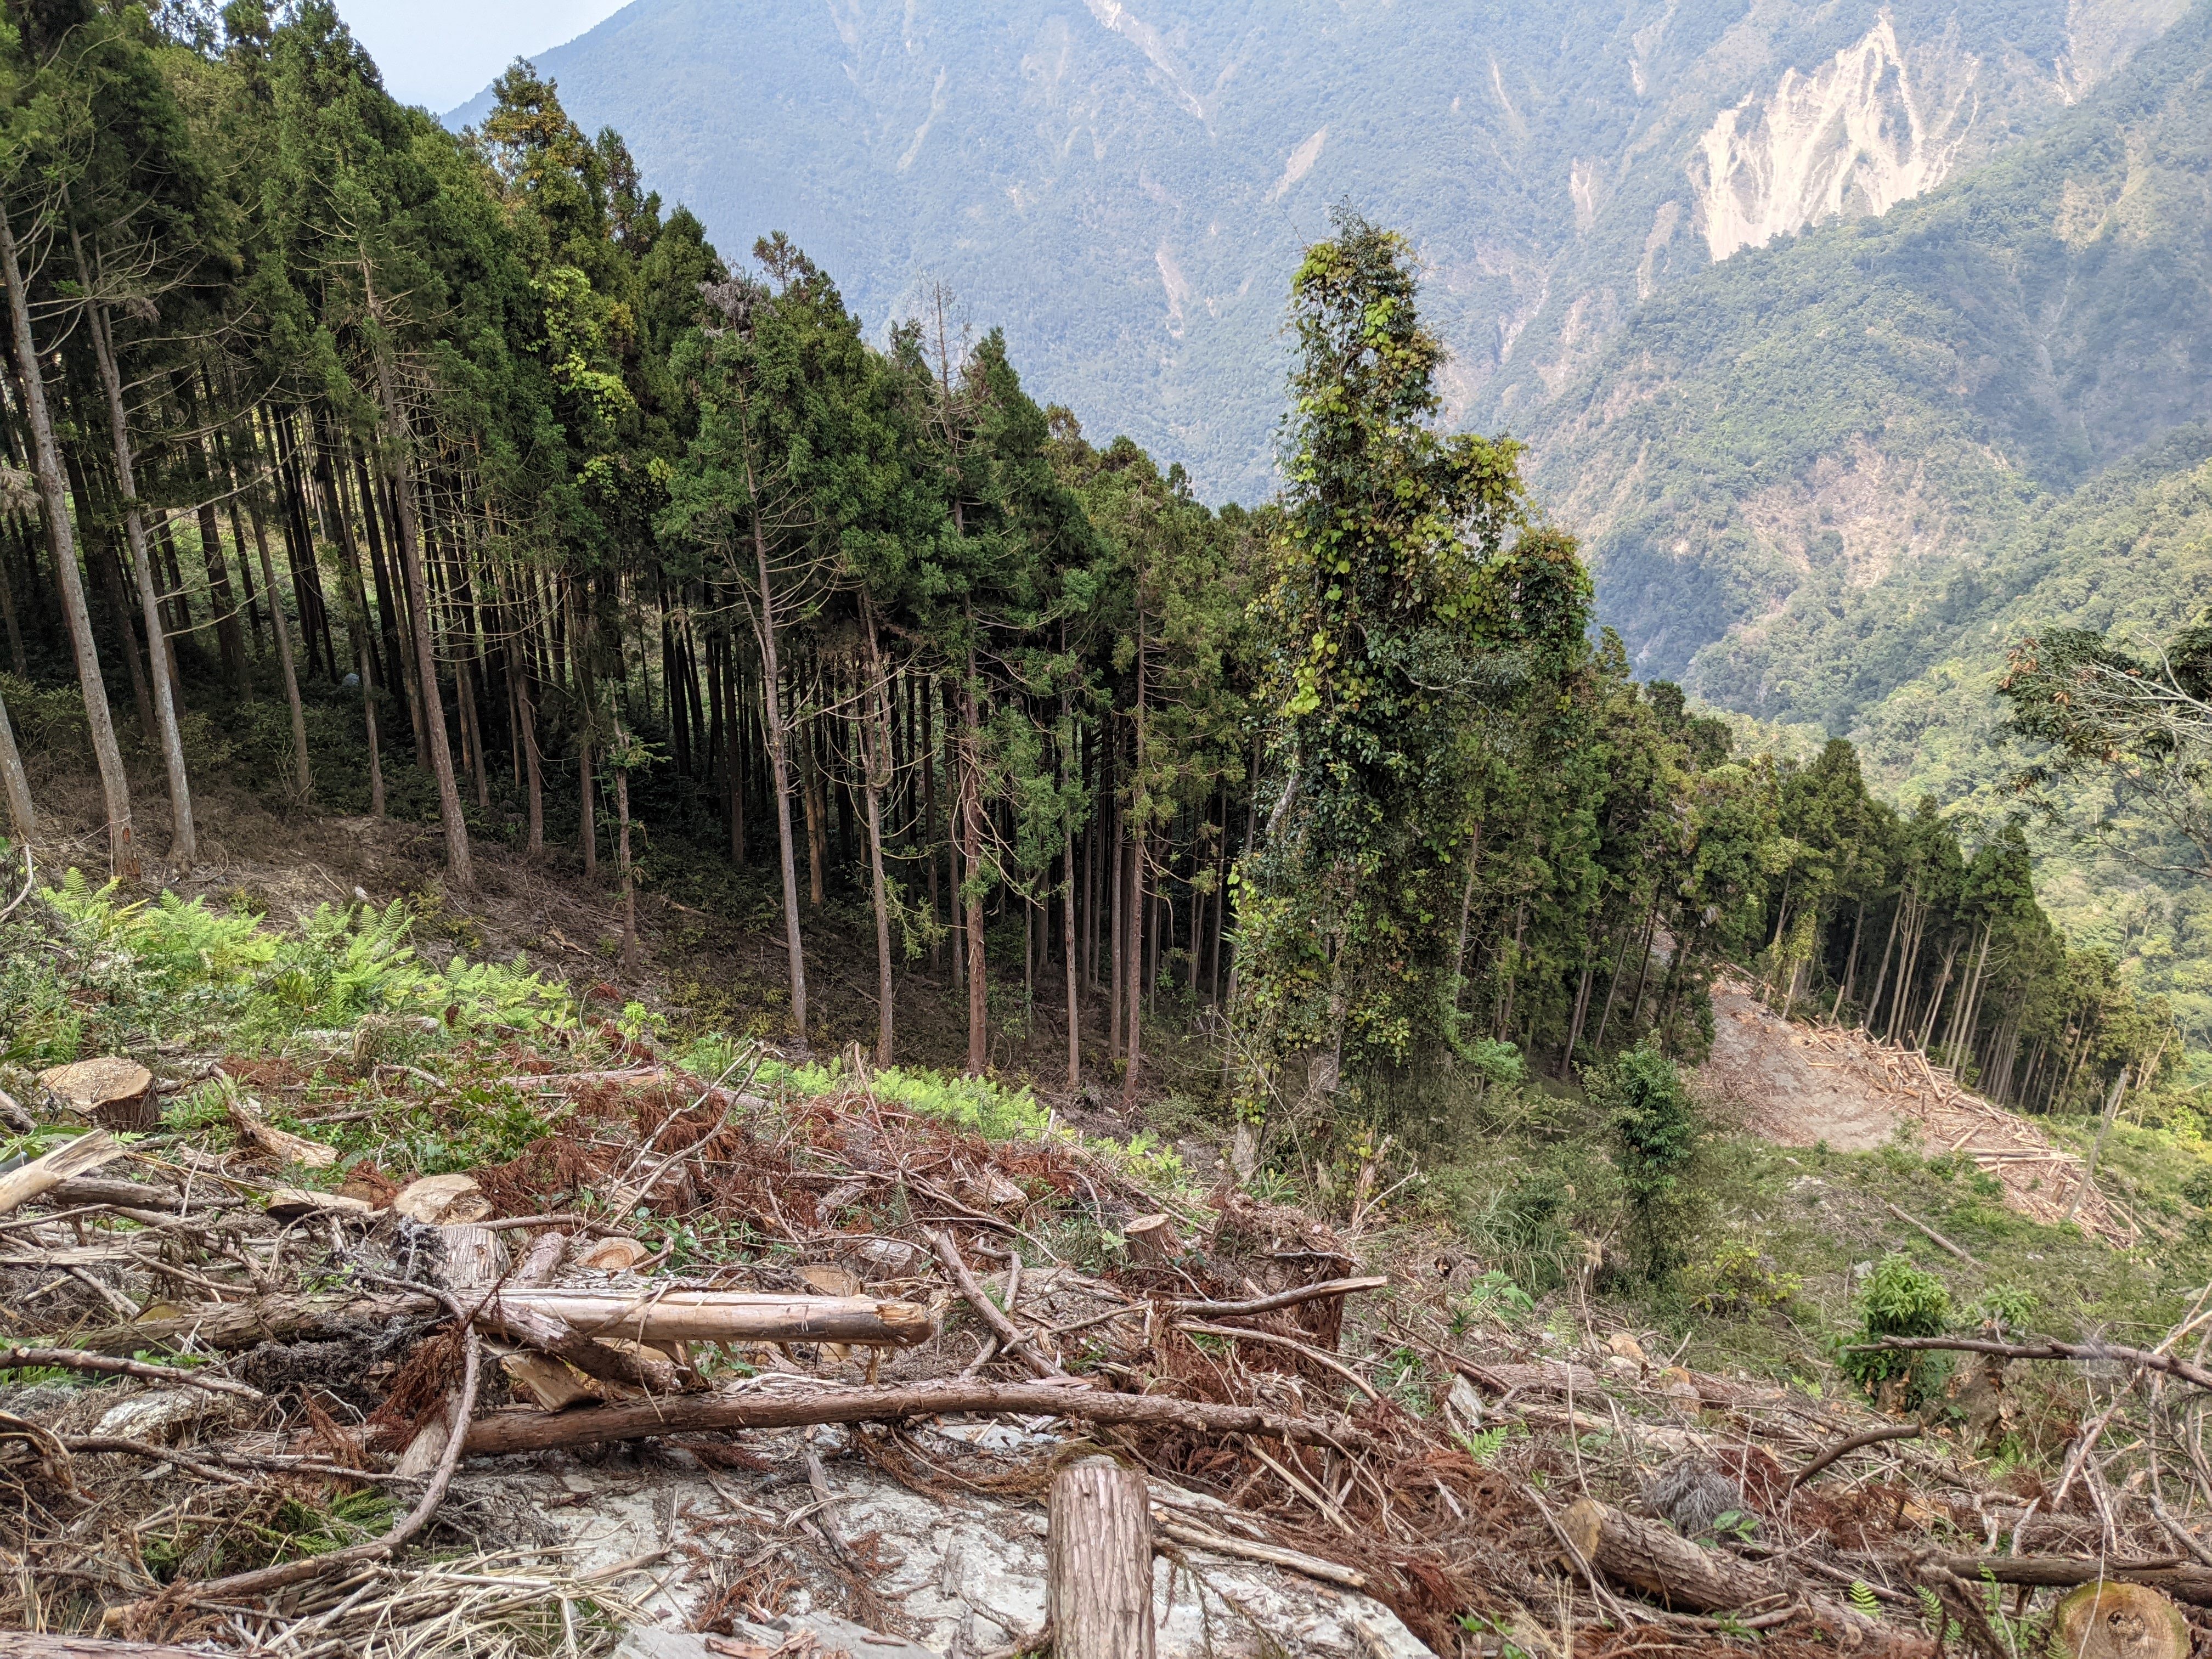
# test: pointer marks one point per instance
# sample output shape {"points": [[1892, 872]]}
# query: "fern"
{"points": [[1862, 1599], [1484, 1446]]}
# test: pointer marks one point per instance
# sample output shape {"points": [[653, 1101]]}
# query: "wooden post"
{"points": [[1098, 1596]]}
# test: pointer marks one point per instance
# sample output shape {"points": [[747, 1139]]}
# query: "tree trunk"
{"points": [[971, 856], [622, 863], [14, 782], [183, 844], [1098, 1590], [1658, 1561], [301, 777], [115, 787], [778, 765], [1851, 965], [398, 463], [875, 736]]}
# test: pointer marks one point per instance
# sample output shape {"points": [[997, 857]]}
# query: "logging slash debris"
{"points": [[723, 1367]]}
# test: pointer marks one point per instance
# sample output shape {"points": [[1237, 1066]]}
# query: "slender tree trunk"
{"points": [[1068, 908], [779, 763], [8, 614], [301, 779], [875, 739], [115, 786], [1851, 965], [622, 859], [1574, 1027], [184, 846], [14, 783], [399, 461], [971, 855]]}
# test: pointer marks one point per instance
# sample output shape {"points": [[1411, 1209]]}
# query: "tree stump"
{"points": [[2112, 1620], [114, 1093], [1098, 1594], [1152, 1241]]}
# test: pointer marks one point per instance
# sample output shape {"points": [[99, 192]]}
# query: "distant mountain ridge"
{"points": [[1126, 186]]}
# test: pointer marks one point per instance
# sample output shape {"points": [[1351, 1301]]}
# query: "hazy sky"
{"points": [[442, 52]]}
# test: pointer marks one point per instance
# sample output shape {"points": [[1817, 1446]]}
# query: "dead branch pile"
{"points": [[241, 1389]]}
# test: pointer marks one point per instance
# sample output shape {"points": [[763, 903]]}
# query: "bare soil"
{"points": [[1801, 1085]]}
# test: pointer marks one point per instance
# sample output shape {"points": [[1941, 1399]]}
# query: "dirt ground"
{"points": [[1799, 1085]]}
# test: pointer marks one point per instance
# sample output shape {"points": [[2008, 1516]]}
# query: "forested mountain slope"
{"points": [[1780, 445], [1122, 185]]}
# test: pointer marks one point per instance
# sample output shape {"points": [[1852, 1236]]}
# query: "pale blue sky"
{"points": [[441, 54]]}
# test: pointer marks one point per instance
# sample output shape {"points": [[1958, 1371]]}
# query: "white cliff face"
{"points": [[1859, 134]]}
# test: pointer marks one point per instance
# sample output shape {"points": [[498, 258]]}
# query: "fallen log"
{"points": [[504, 1433], [655, 1315], [2183, 1582], [227, 1327], [1652, 1557], [76, 1156], [549, 1333], [131, 1194], [2046, 1347]]}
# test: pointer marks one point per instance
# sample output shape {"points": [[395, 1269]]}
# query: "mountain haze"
{"points": [[1122, 187]]}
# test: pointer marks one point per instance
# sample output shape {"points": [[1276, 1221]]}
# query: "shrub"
{"points": [[1656, 1132], [1900, 1300]]}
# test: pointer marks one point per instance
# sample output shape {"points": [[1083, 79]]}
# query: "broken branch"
{"points": [[510, 1432], [76, 1360]]}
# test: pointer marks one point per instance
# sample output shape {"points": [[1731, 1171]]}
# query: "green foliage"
{"points": [[989, 1107], [169, 971], [1899, 1300], [1656, 1132]]}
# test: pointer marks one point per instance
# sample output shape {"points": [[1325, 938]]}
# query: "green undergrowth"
{"points": [[1776, 1254], [109, 974], [89, 972]]}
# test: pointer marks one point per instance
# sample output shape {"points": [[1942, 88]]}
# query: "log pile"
{"points": [[2040, 1179]]}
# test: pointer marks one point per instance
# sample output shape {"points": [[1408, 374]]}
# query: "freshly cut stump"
{"points": [[1099, 1593], [114, 1093], [2109, 1620]]}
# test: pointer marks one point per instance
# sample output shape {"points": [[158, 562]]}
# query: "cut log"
{"points": [[113, 1093], [279, 1144], [291, 1203], [1098, 1584], [506, 1433], [475, 1257], [2108, 1620], [656, 1316], [543, 1261], [86, 1152], [2191, 1584], [551, 1384], [1651, 1557], [227, 1327], [133, 1195], [628, 1365], [1152, 1241], [613, 1255], [443, 1200]]}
